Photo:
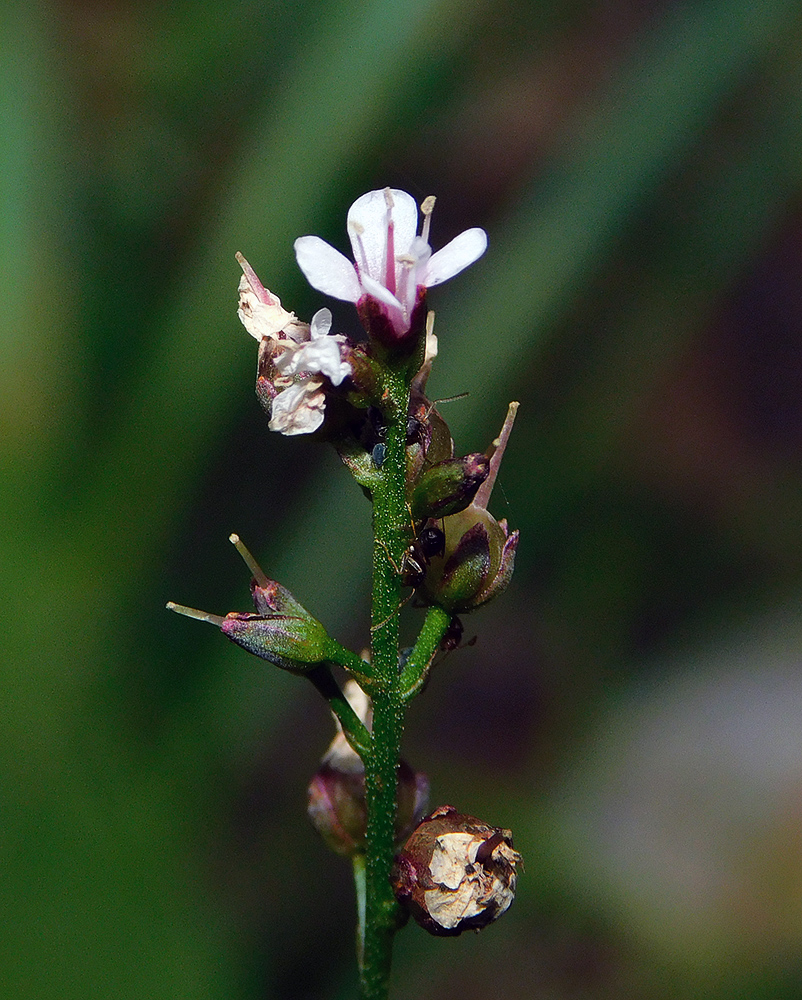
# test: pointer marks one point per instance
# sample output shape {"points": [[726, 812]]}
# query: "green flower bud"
{"points": [[282, 632], [291, 642], [449, 486], [477, 563], [478, 557]]}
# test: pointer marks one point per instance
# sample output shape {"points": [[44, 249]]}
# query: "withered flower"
{"points": [[456, 873]]}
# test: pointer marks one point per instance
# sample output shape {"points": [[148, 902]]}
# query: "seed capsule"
{"points": [[456, 873]]}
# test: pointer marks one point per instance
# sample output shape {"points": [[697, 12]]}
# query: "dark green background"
{"points": [[631, 707]]}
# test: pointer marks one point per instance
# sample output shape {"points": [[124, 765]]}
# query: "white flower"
{"points": [[392, 263], [303, 356], [298, 409], [320, 354]]}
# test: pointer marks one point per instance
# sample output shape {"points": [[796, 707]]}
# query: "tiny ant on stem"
{"points": [[428, 543]]}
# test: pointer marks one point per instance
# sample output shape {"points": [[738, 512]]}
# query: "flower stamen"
{"points": [[427, 207], [357, 243]]}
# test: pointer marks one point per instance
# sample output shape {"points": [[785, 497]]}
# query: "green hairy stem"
{"points": [[390, 689], [391, 538]]}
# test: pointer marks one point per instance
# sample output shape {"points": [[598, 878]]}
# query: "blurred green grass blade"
{"points": [[99, 896], [622, 149], [709, 241], [37, 304]]}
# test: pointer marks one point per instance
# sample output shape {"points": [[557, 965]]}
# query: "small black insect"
{"points": [[372, 434], [378, 454], [429, 543]]}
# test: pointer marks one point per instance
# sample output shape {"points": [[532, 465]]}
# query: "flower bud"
{"points": [[477, 562], [292, 642], [337, 806], [478, 557], [282, 632], [428, 437], [449, 486], [455, 873]]}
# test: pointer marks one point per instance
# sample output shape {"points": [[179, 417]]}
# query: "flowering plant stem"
{"points": [[431, 528], [390, 520], [391, 538]]}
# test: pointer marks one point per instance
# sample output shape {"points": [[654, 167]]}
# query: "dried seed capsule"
{"points": [[456, 873]]}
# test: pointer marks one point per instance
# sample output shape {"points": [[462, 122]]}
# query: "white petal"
{"points": [[321, 356], [377, 291], [287, 361], [332, 366], [298, 409], [367, 229], [326, 269], [461, 252], [321, 323]]}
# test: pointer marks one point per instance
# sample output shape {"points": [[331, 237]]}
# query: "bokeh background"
{"points": [[632, 707]]}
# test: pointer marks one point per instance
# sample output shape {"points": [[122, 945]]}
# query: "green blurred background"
{"points": [[633, 705]]}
